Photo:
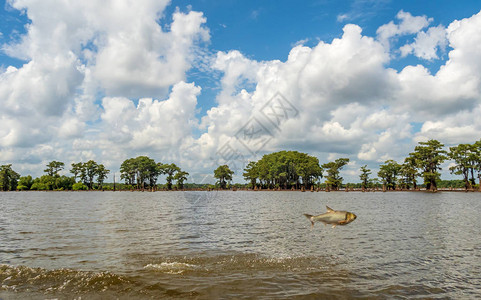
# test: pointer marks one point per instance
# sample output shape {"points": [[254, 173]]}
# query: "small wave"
{"points": [[172, 267], [22, 278]]}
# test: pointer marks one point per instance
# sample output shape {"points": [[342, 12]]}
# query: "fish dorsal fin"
{"points": [[329, 209]]}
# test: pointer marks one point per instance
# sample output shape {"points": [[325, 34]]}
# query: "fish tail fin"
{"points": [[310, 219]]}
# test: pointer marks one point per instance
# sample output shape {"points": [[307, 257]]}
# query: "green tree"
{"points": [[365, 172], [53, 168], [101, 175], [169, 170], [91, 169], [140, 171], [25, 183], [51, 171], [333, 168], [389, 172], [143, 165], [77, 169], [308, 169], [38, 185], [477, 161], [180, 177], [128, 171], [8, 178], [65, 183], [429, 156], [409, 173], [464, 157], [224, 174], [251, 173], [88, 172], [79, 186], [284, 169]]}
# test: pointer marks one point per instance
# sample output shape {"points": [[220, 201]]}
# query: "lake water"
{"points": [[210, 245]]}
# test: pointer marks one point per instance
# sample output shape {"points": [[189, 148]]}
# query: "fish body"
{"points": [[333, 217]]}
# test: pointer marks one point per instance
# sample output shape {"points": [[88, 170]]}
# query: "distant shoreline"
{"points": [[356, 190]]}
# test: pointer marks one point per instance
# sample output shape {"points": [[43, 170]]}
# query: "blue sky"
{"points": [[179, 80], [267, 30]]}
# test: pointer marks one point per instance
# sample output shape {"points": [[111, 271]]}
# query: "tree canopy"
{"points": [[284, 169], [88, 171], [388, 172], [333, 168], [8, 178], [224, 174], [365, 172], [140, 172], [428, 157]]}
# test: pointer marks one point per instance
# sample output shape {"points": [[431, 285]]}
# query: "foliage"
{"points": [[388, 173], [88, 171], [101, 175], [25, 183], [39, 186], [284, 169], [180, 177], [408, 173], [77, 170], [141, 172], [251, 173], [169, 170], [8, 178], [79, 186], [456, 183], [428, 157], [53, 168], [464, 157], [47, 182], [365, 172], [333, 168], [224, 174]]}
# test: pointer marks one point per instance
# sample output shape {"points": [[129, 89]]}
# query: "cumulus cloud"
{"points": [[427, 43], [141, 60], [151, 124], [408, 24], [349, 103], [107, 82], [330, 85], [77, 51]]}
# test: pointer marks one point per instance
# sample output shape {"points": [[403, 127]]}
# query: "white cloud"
{"points": [[76, 51], [153, 125], [426, 44], [342, 17], [409, 24], [145, 61], [107, 82]]}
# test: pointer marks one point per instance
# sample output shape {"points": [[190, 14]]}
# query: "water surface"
{"points": [[205, 245]]}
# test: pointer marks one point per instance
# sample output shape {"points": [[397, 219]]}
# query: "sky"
{"points": [[205, 83]]}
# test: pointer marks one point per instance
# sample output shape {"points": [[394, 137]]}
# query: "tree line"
{"points": [[283, 169], [142, 172], [139, 173], [288, 169], [425, 162]]}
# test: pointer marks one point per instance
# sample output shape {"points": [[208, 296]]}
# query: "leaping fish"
{"points": [[334, 217]]}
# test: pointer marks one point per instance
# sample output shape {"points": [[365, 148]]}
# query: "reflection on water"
{"points": [[238, 244]]}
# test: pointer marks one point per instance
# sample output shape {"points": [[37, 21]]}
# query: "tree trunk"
{"points": [[479, 180]]}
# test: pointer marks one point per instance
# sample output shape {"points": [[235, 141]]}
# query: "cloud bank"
{"points": [[108, 81]]}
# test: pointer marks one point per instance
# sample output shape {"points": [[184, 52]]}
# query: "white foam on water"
{"points": [[171, 267]]}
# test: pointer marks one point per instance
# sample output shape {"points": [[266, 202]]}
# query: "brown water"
{"points": [[209, 245]]}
